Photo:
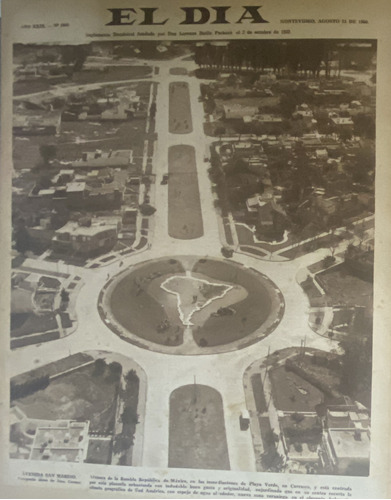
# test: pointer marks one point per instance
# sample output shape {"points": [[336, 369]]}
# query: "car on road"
{"points": [[164, 179], [244, 420]]}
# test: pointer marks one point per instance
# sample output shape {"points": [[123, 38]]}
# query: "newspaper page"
{"points": [[189, 302]]}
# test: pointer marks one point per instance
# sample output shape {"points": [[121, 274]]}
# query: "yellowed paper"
{"points": [[195, 241]]}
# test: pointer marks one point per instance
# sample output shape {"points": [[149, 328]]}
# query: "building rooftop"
{"points": [[68, 443], [100, 159], [97, 226], [75, 187], [350, 443]]}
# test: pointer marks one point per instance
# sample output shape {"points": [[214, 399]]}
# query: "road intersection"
{"points": [[167, 372]]}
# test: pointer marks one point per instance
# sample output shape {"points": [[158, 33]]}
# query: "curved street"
{"points": [[167, 372]]}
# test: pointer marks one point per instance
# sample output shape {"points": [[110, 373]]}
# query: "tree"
{"points": [[297, 417], [287, 105], [131, 376], [356, 363], [48, 152], [129, 416], [115, 367], [328, 261], [227, 252], [152, 110], [44, 182], [147, 209], [22, 237], [122, 443], [74, 55], [220, 131], [272, 461], [99, 367]]}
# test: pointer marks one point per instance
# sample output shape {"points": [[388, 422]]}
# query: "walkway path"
{"points": [[166, 372]]}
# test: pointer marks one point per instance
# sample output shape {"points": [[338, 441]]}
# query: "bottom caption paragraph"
{"points": [[122, 485], [210, 488]]}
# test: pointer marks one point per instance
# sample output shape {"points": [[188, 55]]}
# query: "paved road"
{"points": [[166, 372]]}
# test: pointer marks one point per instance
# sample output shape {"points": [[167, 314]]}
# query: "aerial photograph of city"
{"points": [[193, 254]]}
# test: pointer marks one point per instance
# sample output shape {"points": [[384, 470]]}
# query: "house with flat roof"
{"points": [[67, 442], [119, 158], [236, 111], [25, 123], [346, 440], [90, 238]]}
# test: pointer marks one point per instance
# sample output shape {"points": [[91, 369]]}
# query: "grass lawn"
{"points": [[180, 119], [99, 451], [342, 317], [197, 438], [54, 368], [292, 393], [138, 311], [184, 205], [178, 71], [258, 392], [252, 250], [313, 293], [36, 339], [33, 324], [30, 87], [245, 236], [250, 313], [266, 434], [228, 233], [343, 288], [79, 395]]}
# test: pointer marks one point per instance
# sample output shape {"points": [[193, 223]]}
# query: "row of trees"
{"points": [[29, 387], [291, 56]]}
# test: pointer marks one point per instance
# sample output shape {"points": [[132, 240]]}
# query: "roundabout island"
{"points": [[165, 290], [190, 305]]}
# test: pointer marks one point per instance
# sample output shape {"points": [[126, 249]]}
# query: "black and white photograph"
{"points": [[193, 254]]}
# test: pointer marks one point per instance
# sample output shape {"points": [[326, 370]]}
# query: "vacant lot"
{"points": [[134, 307], [80, 395], [292, 393], [184, 205], [343, 288], [250, 313], [197, 438], [180, 120], [30, 323]]}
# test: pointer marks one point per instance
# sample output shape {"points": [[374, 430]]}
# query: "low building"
{"points": [[120, 158], [342, 123], [33, 124], [301, 434], [92, 238], [236, 111], [67, 441], [346, 440], [321, 154]]}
